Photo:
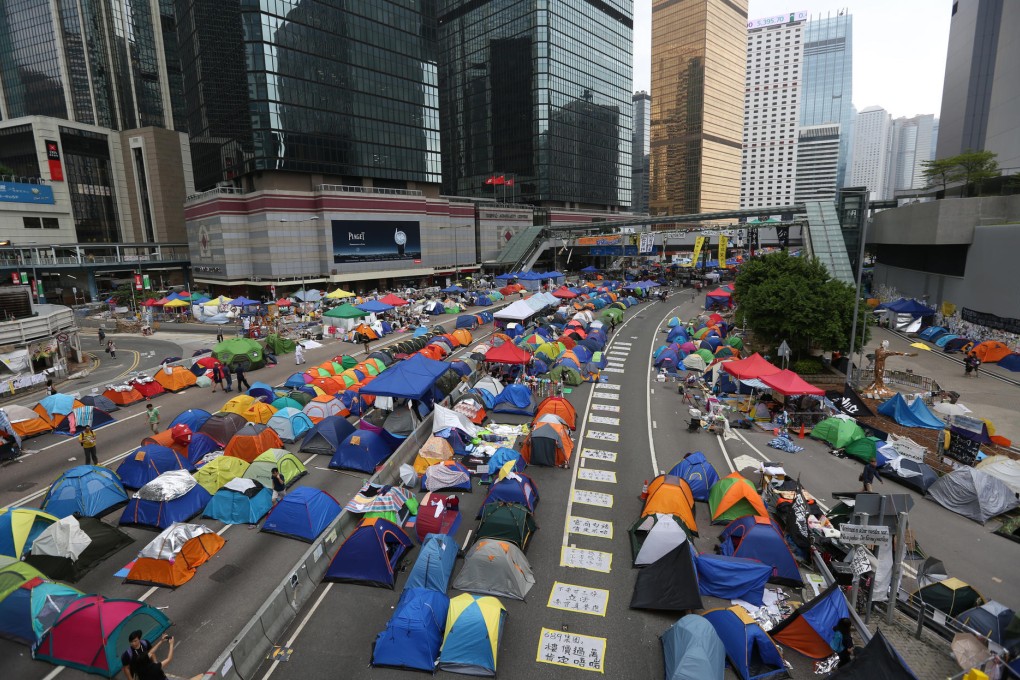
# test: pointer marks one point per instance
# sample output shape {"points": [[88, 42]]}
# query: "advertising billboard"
{"points": [[376, 240], [20, 192]]}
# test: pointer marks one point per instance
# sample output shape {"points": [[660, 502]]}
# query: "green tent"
{"points": [[345, 311], [611, 314], [237, 350], [735, 342], [706, 355], [14, 574], [347, 361], [838, 432], [279, 345], [726, 507], [300, 397], [507, 522], [287, 402], [548, 351], [863, 449], [568, 374]]}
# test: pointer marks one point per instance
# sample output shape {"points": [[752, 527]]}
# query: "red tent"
{"points": [[508, 353], [393, 300], [564, 293], [753, 366], [720, 292], [283, 302], [788, 382], [150, 303]]}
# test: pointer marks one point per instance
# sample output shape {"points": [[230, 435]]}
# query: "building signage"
{"points": [[53, 158], [504, 215], [608, 240], [777, 20], [376, 240], [860, 534], [22, 192]]}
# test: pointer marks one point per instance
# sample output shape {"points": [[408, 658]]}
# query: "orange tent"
{"points": [[454, 340], [569, 343], [166, 438], [252, 441], [560, 407], [26, 422], [670, 495], [179, 378], [733, 497], [503, 337], [259, 412], [366, 331], [324, 406], [463, 336], [327, 385], [548, 444], [124, 396], [172, 558], [435, 451], [991, 351], [238, 404]]}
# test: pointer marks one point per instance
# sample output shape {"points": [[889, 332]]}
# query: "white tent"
{"points": [[664, 535], [1005, 469], [64, 538], [518, 311], [445, 418]]}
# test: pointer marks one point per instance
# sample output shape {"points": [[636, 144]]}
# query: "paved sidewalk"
{"points": [[930, 657]]}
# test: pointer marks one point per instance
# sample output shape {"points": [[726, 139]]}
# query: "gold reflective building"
{"points": [[698, 69]]}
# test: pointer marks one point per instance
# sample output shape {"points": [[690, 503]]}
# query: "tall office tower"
{"points": [[873, 136], [108, 63], [817, 162], [772, 83], [698, 69], [827, 87], [291, 94], [981, 87], [913, 143], [538, 93], [639, 153]]}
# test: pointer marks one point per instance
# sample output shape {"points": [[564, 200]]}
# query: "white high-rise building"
{"points": [[817, 162], [871, 152], [913, 142], [771, 111]]}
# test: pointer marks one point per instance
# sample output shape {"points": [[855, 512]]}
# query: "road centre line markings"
{"points": [[590, 527], [596, 475]]}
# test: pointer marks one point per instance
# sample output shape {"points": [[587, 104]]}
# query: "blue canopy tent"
{"points": [[242, 301], [810, 628], [749, 650], [698, 473], [413, 378], [434, 565], [590, 269], [371, 555], [915, 415], [326, 436], [692, 650], [302, 514], [374, 307], [732, 578], [414, 634], [87, 490], [361, 450], [454, 289]]}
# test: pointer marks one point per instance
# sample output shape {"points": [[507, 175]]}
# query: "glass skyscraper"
{"points": [[110, 63], [698, 67], [827, 81], [537, 92], [329, 87]]}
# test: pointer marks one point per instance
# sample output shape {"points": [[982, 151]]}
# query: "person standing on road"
{"points": [[102, 337], [279, 485], [367, 344], [87, 439], [239, 374], [219, 337], [299, 354], [226, 376], [868, 476], [112, 348], [153, 412], [217, 377]]}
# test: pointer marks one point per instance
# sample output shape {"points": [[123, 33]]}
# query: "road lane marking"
{"points": [[580, 558], [655, 425], [604, 420], [603, 436], [648, 399], [599, 454], [580, 599], [612, 369], [596, 475], [596, 498], [590, 527], [301, 627]]}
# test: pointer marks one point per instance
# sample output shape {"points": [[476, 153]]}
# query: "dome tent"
{"points": [[240, 501], [493, 567], [104, 542], [88, 490], [261, 469]]}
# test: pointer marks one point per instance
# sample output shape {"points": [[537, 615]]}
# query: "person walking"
{"points": [[112, 349], [219, 337], [299, 354], [153, 412], [367, 345], [87, 439], [228, 378], [217, 377], [868, 476], [279, 485], [239, 374], [102, 337]]}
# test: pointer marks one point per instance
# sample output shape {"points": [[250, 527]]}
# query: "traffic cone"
{"points": [[801, 435], [644, 491]]}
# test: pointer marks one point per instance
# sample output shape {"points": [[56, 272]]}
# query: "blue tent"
{"points": [[504, 455], [760, 538], [371, 555], [374, 307], [453, 289], [905, 306], [915, 415], [30, 610], [749, 650], [326, 436], [517, 489], [810, 628], [467, 321], [590, 269], [290, 423], [414, 634], [992, 620], [677, 334], [692, 650], [412, 378], [240, 507], [261, 390], [434, 565], [698, 473], [149, 462], [295, 380], [474, 626], [362, 450], [931, 332], [200, 445], [58, 404], [1010, 362], [88, 490], [163, 513], [194, 418], [303, 514], [732, 578], [946, 339], [516, 399], [668, 358]]}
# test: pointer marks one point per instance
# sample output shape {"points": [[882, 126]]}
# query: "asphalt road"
{"points": [[208, 611]]}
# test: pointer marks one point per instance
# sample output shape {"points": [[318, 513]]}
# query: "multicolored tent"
{"points": [[474, 626], [734, 496], [810, 628], [751, 653], [19, 527]]}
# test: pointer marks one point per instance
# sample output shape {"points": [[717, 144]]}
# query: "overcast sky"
{"points": [[899, 48]]}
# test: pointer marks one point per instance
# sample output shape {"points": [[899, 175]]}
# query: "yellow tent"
{"points": [[239, 404], [216, 302], [339, 294], [176, 303]]}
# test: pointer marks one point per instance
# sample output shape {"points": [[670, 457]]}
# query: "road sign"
{"points": [[784, 350], [62, 337], [859, 534]]}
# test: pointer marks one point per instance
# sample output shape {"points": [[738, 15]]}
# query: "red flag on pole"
{"points": [[510, 182], [496, 179]]}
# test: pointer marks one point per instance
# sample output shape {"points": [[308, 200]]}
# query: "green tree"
{"points": [[974, 167], [6, 170], [781, 297], [940, 172]]}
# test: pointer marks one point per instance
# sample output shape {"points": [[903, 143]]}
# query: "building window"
{"points": [[50, 223], [32, 222]]}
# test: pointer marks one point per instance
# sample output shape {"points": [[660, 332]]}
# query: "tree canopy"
{"points": [[969, 167], [781, 297]]}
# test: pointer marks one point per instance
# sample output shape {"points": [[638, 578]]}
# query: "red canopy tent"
{"points": [[788, 382], [508, 353], [150, 303], [393, 300], [564, 293], [283, 302], [753, 366]]}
